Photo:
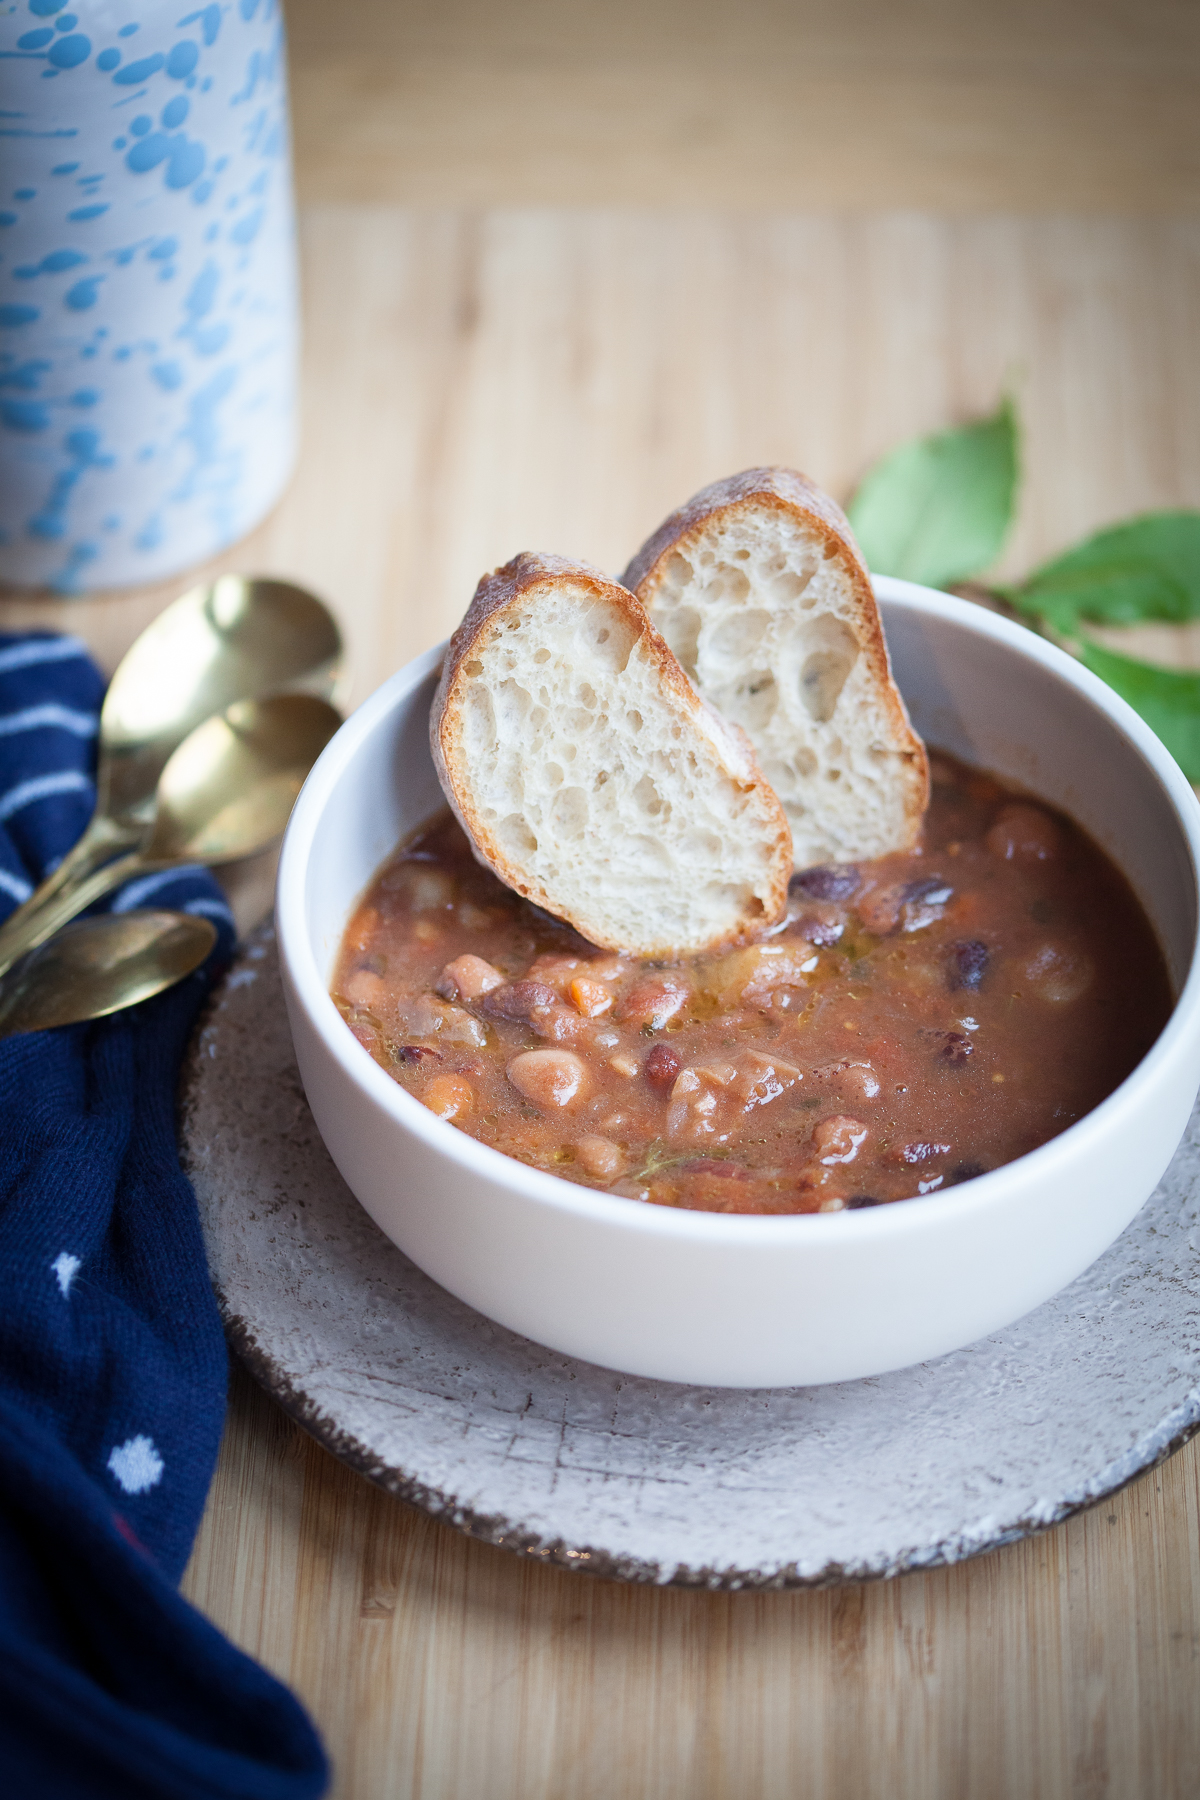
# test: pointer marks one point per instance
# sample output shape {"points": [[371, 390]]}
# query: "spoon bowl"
{"points": [[99, 966], [229, 640], [225, 793], [230, 786], [219, 643]]}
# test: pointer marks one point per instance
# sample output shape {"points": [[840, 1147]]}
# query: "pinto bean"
{"points": [[757, 974], [857, 1079], [762, 1079], [548, 1077], [822, 928], [661, 1067], [428, 889], [600, 1157], [468, 978], [1024, 834], [555, 971], [519, 1000], [654, 1002], [1059, 975], [429, 1017], [910, 904], [365, 988], [557, 1024], [449, 1096], [838, 1139], [925, 902], [880, 907]]}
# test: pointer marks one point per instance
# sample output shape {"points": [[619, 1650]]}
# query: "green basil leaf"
{"points": [[939, 509], [1168, 700], [1147, 569]]}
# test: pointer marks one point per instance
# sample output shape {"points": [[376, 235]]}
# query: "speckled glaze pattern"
{"points": [[648, 1481], [148, 325]]}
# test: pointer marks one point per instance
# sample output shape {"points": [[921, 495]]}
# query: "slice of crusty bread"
{"points": [[759, 589], [591, 778]]}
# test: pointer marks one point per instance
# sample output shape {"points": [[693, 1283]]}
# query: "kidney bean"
{"points": [[966, 1171], [857, 1200], [956, 1047], [661, 1067], [830, 882], [519, 1000], [417, 1053], [968, 961]]}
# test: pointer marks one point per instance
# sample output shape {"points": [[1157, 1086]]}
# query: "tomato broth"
{"points": [[910, 1024]]}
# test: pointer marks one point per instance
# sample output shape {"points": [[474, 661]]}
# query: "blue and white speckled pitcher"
{"points": [[148, 331]]}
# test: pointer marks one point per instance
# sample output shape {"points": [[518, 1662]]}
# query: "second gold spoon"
{"points": [[225, 793], [233, 638]]}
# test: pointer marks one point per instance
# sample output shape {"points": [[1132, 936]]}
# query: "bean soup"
{"points": [[911, 1023]]}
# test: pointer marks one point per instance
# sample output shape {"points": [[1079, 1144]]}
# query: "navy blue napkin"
{"points": [[112, 1361]]}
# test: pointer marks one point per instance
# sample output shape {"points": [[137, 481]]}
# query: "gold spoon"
{"points": [[99, 966], [234, 638], [225, 793]]}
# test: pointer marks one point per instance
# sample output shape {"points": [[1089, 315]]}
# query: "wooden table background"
{"points": [[563, 264]]}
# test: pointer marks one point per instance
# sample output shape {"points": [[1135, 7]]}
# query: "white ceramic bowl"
{"points": [[749, 1301]]}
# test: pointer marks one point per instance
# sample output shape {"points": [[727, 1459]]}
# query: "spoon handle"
{"points": [[102, 840], [18, 939]]}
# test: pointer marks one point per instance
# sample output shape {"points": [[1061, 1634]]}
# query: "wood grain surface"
{"points": [[1039, 105], [482, 383], [487, 372]]}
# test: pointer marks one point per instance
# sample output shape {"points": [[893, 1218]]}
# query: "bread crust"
{"points": [[495, 596], [789, 492]]}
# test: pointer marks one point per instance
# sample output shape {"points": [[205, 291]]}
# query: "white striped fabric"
{"points": [[41, 650], [136, 893], [64, 718], [40, 787], [16, 885], [212, 909]]}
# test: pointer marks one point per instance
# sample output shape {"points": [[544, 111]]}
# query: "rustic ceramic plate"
{"points": [[644, 1480]]}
